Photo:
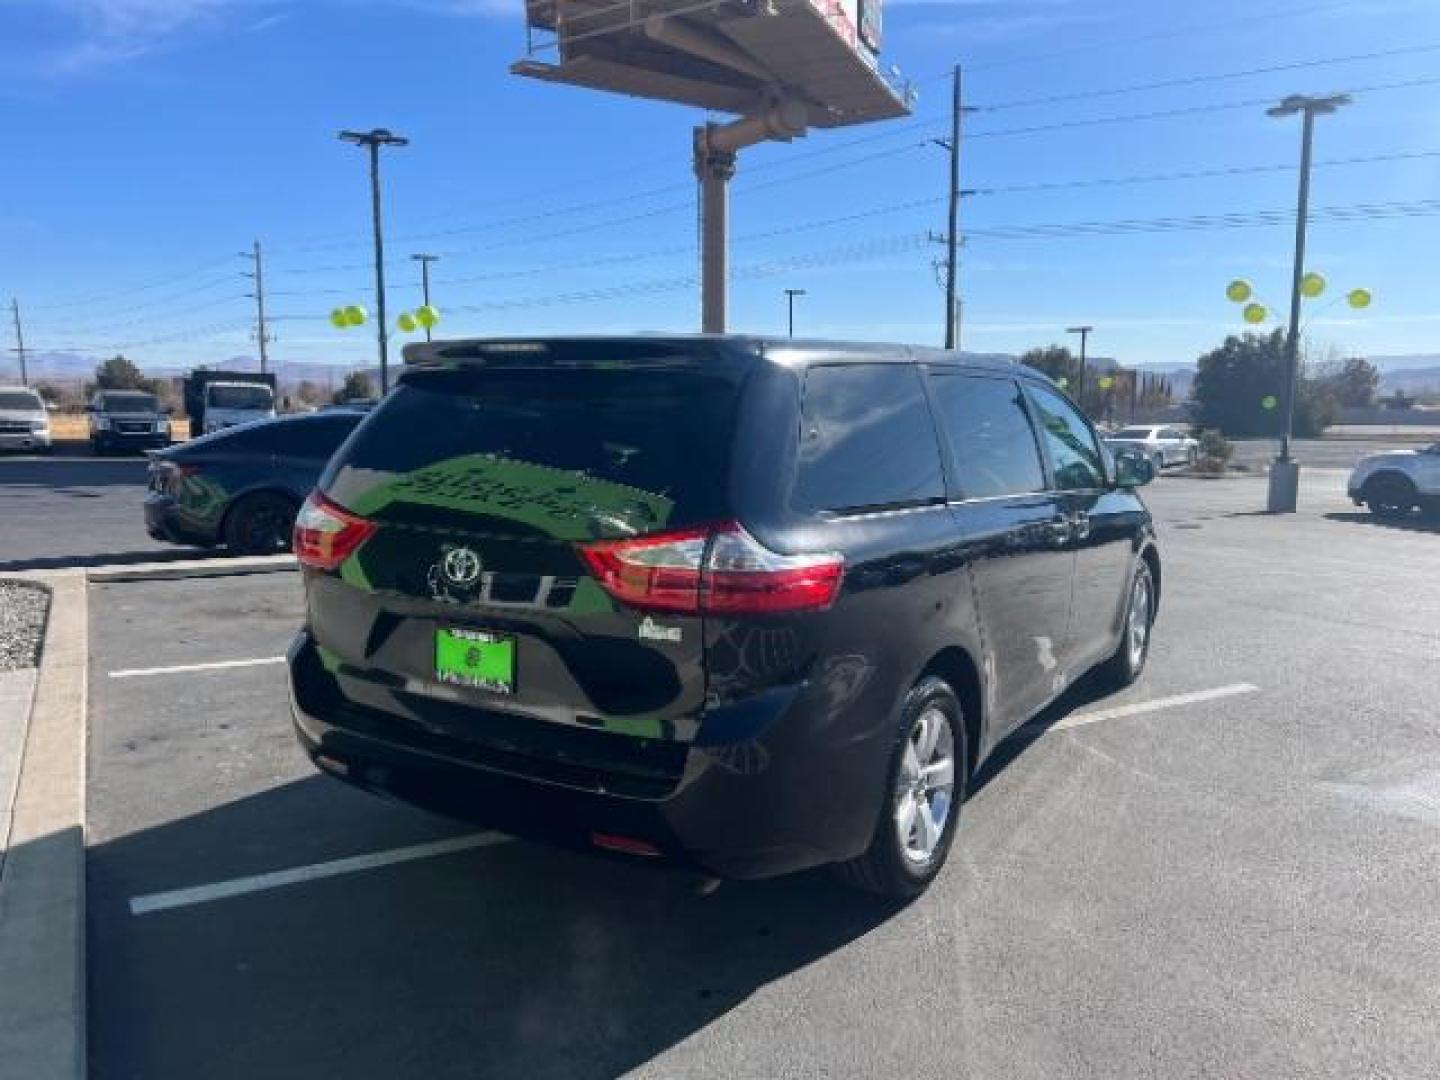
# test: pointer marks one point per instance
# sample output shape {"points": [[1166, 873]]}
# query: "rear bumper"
{"points": [[767, 801], [165, 521]]}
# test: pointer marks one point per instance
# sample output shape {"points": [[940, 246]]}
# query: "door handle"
{"points": [[1080, 524]]}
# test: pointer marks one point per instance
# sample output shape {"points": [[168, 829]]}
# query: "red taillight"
{"points": [[627, 845], [721, 569], [326, 534]]}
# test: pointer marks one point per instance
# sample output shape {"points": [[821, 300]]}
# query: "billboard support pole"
{"points": [[716, 149], [714, 168]]}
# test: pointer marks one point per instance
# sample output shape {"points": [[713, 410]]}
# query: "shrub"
{"points": [[1215, 452]]}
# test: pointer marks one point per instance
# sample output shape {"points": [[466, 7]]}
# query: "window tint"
{"points": [[316, 437], [1069, 441], [608, 449], [866, 440], [995, 449]]}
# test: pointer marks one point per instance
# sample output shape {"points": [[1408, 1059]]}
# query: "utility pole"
{"points": [[1285, 471], [373, 141], [790, 295], [19, 341], [425, 261], [262, 334], [952, 239], [1084, 332]]}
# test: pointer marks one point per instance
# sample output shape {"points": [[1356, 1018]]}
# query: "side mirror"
{"points": [[1133, 469]]}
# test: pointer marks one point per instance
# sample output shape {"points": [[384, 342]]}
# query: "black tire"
{"points": [[1125, 665], [1390, 495], [260, 524], [885, 868]]}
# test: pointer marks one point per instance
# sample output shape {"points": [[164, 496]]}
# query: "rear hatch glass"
{"points": [[480, 485]]}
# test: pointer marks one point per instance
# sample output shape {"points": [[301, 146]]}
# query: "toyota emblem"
{"points": [[461, 566]]}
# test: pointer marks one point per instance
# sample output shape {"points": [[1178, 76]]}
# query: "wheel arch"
{"points": [[958, 669], [1389, 473], [239, 500]]}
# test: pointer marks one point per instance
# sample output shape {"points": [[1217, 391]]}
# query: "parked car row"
{"points": [[1163, 445]]}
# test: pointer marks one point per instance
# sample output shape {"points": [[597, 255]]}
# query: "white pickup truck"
{"points": [[1394, 484]]}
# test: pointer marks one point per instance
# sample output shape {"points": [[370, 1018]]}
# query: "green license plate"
{"points": [[475, 658]]}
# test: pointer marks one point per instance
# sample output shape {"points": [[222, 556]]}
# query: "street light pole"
{"points": [[373, 141], [1084, 332], [790, 295], [425, 261], [1285, 471]]}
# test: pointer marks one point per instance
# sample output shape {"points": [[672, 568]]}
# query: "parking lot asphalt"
{"points": [[74, 511], [1243, 884]]}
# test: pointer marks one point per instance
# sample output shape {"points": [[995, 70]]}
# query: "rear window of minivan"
{"points": [[629, 450]]}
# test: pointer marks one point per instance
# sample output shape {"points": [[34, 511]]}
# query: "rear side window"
{"points": [[564, 452], [1074, 453], [866, 440], [990, 432]]}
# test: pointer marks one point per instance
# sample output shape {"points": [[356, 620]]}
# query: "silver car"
{"points": [[24, 420], [1163, 445]]}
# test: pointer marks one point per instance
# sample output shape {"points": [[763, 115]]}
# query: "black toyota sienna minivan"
{"points": [[737, 604]]}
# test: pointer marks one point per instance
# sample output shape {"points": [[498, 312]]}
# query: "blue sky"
{"points": [[149, 141]]}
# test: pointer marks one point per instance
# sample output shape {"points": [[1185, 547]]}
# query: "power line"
{"points": [[131, 290], [1196, 80]]}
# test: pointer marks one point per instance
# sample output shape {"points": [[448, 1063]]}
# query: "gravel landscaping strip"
{"points": [[23, 607]]}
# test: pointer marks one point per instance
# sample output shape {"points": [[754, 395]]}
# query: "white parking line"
{"points": [[223, 890], [180, 669], [1120, 712]]}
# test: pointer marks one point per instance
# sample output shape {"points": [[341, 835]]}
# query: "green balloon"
{"points": [[355, 315], [1255, 313], [1239, 291], [427, 316], [407, 322], [1359, 299], [337, 319], [1269, 401], [1312, 285]]}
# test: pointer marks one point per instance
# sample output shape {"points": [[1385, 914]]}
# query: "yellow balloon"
{"points": [[1255, 313], [1312, 285], [1106, 382], [427, 316], [407, 322], [355, 315], [337, 319], [1239, 291], [1359, 299], [1062, 382]]}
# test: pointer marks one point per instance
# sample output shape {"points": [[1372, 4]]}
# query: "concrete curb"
{"points": [[193, 568], [42, 891]]}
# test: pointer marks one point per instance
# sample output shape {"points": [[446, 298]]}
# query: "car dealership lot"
{"points": [[1235, 877]]}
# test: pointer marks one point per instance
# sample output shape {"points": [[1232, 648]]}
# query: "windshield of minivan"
{"points": [[20, 400], [129, 401], [241, 397], [597, 451]]}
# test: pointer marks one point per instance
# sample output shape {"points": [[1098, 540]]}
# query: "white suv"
{"points": [[24, 420], [1395, 483]]}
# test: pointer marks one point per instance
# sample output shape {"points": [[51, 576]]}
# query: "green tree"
{"points": [[1354, 382], [118, 373], [309, 392], [357, 387], [1233, 383], [1055, 361]]}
